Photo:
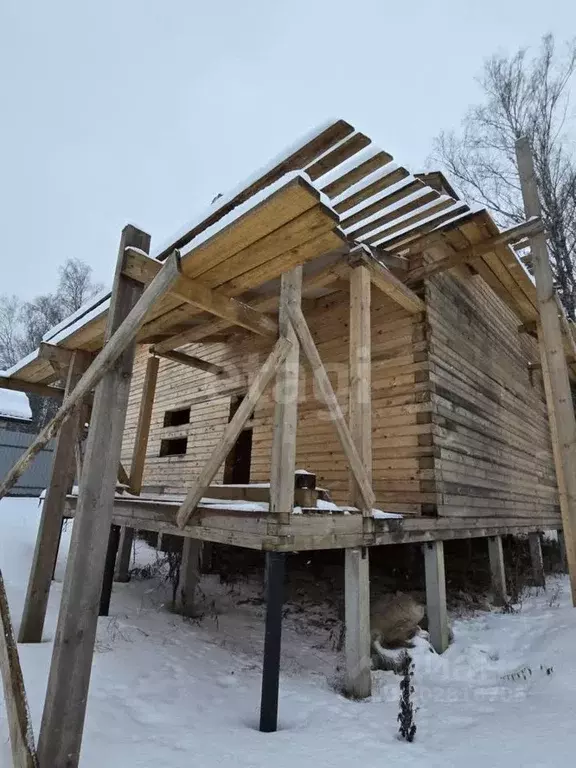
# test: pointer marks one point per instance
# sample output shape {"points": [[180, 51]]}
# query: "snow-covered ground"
{"points": [[174, 693]]}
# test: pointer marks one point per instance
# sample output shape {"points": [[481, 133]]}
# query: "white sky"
{"points": [[143, 110]]}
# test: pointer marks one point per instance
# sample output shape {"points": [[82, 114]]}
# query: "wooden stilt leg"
{"points": [[497, 571], [125, 549], [535, 545], [436, 595], [358, 684], [68, 682], [189, 577], [562, 548], [108, 579], [49, 530], [275, 568]]}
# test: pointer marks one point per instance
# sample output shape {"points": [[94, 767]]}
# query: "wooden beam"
{"points": [[193, 362], [283, 460], [562, 412], [387, 282], [142, 268], [57, 356], [123, 336], [49, 529], [533, 226], [30, 388], [497, 569], [536, 560], [17, 712], [233, 429], [189, 577], [358, 682], [69, 678], [436, 595], [325, 387]]}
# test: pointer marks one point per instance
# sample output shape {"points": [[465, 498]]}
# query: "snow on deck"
{"points": [[171, 692], [14, 405]]}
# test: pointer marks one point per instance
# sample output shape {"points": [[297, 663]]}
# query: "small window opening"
{"points": [[175, 446], [238, 461], [177, 418]]}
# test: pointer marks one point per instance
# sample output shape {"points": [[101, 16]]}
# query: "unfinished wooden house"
{"points": [[338, 354]]}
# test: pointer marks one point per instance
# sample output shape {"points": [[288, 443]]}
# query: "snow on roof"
{"points": [[14, 405]]}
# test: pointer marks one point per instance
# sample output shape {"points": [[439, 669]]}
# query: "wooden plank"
{"points": [[358, 683], [388, 283], [113, 349], [375, 226], [337, 155], [192, 362], [553, 346], [384, 202], [31, 388], [49, 528], [383, 182], [142, 268], [299, 158], [321, 377], [67, 692], [17, 712], [233, 429], [408, 222], [356, 174], [283, 458]]}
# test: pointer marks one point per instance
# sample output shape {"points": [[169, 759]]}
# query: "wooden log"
{"points": [[68, 682], [536, 560], [49, 529], [358, 683], [283, 460], [143, 268], [321, 377], [17, 712], [184, 601], [497, 569], [31, 388], [233, 429], [114, 347], [436, 595], [563, 409], [193, 362], [275, 570]]}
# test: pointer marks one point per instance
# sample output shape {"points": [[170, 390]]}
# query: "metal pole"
{"points": [[275, 569]]}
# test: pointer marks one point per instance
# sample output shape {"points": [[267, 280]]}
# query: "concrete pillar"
{"points": [[358, 683]]}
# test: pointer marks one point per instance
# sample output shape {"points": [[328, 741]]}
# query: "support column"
{"points": [[109, 564], [562, 549], [49, 530], [497, 571], [283, 462], [535, 544], [67, 692], [436, 595], [138, 462], [560, 407], [358, 683], [275, 571], [189, 577]]}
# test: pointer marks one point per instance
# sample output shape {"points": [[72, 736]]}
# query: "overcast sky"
{"points": [[143, 110]]}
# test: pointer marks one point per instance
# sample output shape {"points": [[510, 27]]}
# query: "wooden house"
{"points": [[421, 381]]}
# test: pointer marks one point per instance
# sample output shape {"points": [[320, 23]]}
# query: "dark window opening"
{"points": [[177, 418], [175, 446], [237, 465]]}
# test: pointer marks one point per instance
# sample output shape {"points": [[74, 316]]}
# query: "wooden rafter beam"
{"points": [[140, 267], [31, 388], [192, 362], [527, 228], [385, 281]]}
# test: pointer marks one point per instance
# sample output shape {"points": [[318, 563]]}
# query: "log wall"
{"points": [[493, 453]]}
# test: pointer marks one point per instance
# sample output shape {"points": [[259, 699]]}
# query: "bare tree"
{"points": [[524, 96], [23, 324]]}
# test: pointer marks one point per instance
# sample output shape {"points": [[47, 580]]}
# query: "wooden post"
{"points": [[358, 682], [68, 682], [436, 595], [275, 569], [562, 551], [536, 560], [50, 527], [233, 429], [17, 713], [497, 570], [283, 461], [109, 564], [189, 577], [138, 462], [562, 411]]}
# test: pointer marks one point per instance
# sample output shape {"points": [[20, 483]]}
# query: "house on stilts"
{"points": [[337, 314]]}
